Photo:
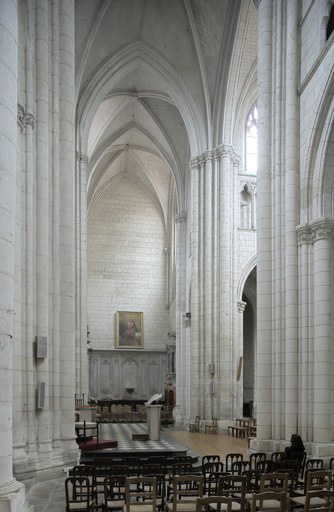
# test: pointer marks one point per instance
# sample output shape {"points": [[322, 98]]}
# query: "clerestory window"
{"points": [[251, 141]]}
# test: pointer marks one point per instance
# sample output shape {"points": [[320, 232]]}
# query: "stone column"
{"points": [[67, 225], [225, 349], [322, 233], [180, 356], [196, 289], [42, 214], [55, 222], [264, 287], [241, 306], [305, 382], [11, 492], [291, 209], [81, 275]]}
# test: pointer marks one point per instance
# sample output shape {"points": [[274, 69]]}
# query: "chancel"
{"points": [[166, 229]]}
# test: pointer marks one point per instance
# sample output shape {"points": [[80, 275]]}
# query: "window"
{"points": [[251, 141]]}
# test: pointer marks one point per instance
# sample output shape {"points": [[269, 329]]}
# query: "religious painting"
{"points": [[129, 329]]}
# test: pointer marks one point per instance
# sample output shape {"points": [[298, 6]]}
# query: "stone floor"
{"points": [[47, 496]]}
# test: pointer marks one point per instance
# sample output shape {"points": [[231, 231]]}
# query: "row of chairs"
{"points": [[141, 494]]}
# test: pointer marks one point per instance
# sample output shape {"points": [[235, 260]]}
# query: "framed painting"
{"points": [[129, 329]]}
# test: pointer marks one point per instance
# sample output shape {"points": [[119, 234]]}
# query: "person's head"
{"points": [[297, 443]]}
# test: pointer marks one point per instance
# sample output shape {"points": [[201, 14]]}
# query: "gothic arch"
{"points": [[122, 63], [313, 201], [244, 276]]}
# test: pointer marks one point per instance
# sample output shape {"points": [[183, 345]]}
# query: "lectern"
{"points": [[153, 417]]}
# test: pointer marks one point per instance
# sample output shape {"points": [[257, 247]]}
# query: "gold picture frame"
{"points": [[129, 329]]}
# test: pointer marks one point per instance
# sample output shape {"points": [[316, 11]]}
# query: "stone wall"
{"points": [[126, 261]]}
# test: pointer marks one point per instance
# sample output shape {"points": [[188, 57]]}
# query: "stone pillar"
{"points": [[67, 225], [291, 209], [81, 275], [322, 234], [225, 346], [264, 258], [241, 306], [42, 214], [11, 492], [306, 353], [55, 222], [182, 365], [195, 291]]}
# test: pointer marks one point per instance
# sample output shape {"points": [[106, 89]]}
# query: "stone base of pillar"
{"points": [[178, 415], [12, 498]]}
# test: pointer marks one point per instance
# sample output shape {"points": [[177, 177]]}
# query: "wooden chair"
{"points": [[212, 458], [239, 466], [140, 494], [265, 466], [220, 502], [194, 427], [114, 493], [314, 464], [212, 483], [231, 457], [275, 483], [212, 428], [261, 501], [253, 477], [255, 457], [207, 469], [319, 501], [177, 470], [186, 490], [233, 486], [86, 471], [133, 463], [277, 456], [78, 494], [103, 468], [316, 480]]}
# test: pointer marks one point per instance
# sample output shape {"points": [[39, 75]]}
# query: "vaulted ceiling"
{"points": [[151, 81]]}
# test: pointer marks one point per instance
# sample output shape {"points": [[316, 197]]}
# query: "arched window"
{"points": [[330, 24], [251, 141]]}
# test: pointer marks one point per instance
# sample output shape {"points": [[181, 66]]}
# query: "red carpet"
{"points": [[93, 444]]}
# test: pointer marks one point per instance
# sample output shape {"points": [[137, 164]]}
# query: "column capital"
{"points": [[304, 236], [320, 229], [181, 217], [24, 118], [241, 305], [81, 157], [221, 151], [227, 150]]}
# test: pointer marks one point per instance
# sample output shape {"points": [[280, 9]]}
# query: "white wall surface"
{"points": [[126, 263]]}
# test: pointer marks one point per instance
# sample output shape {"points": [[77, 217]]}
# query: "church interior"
{"points": [[166, 233]]}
